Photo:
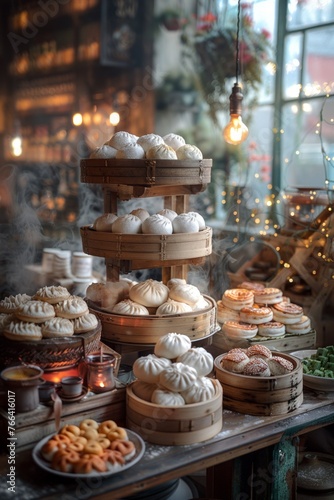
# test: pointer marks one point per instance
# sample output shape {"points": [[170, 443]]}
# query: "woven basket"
{"points": [[275, 395], [177, 425], [147, 330], [50, 354]]}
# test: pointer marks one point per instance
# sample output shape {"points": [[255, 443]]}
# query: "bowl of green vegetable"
{"points": [[318, 367]]}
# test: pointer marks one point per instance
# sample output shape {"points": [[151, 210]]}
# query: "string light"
{"points": [[236, 131]]}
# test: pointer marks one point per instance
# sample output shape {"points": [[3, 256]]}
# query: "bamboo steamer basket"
{"points": [[174, 425], [275, 395], [146, 172], [51, 354], [147, 330], [146, 247]]}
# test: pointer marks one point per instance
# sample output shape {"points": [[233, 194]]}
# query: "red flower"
{"points": [[209, 17], [266, 33]]}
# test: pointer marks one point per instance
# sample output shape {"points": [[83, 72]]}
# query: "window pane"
{"points": [[318, 70], [292, 66], [309, 12]]}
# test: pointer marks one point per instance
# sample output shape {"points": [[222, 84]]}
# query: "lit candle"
{"points": [[100, 372]]}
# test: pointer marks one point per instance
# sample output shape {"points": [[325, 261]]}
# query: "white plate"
{"points": [[311, 381], [44, 464]]}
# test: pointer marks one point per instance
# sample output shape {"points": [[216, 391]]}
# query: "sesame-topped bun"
{"points": [[235, 361], [71, 308], [279, 365], [259, 351], [52, 294], [35, 311], [257, 367], [57, 327], [23, 331]]}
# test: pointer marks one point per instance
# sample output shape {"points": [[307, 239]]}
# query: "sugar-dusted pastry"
{"points": [[173, 307], [175, 141], [57, 327], [71, 308], [147, 141], [178, 377], [23, 331], [127, 224], [235, 361], [257, 367], [199, 358], [85, 323], [187, 293], [287, 313], [185, 223], [164, 397], [237, 298], [144, 390], [161, 152], [148, 368], [11, 303], [259, 351], [35, 311], [167, 212], [149, 293], [104, 222], [189, 152], [142, 213], [172, 345], [103, 152], [129, 307], [52, 294], [131, 151], [279, 365], [200, 220], [202, 390], [121, 139], [157, 224]]}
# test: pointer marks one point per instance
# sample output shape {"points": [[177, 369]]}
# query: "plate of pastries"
{"points": [[90, 448]]}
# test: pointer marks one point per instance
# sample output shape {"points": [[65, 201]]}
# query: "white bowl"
{"points": [[317, 383]]}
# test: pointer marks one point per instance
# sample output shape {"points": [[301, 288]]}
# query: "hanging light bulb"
{"points": [[236, 131]]}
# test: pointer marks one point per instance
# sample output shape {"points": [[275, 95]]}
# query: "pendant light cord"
{"points": [[237, 45]]}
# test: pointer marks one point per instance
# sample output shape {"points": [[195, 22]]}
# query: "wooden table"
{"points": [[252, 457]]}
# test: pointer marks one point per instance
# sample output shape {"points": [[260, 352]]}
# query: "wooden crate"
{"points": [[32, 426], [177, 425]]}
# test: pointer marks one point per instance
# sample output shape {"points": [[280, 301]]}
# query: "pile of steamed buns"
{"points": [[123, 145], [176, 374], [139, 221]]}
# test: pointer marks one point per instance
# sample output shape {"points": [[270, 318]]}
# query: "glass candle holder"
{"points": [[100, 372]]}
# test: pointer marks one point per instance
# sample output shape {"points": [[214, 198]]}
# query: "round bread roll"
{"points": [[121, 139], [164, 397], [149, 293], [187, 293], [147, 141], [257, 367], [199, 218], [129, 307], [303, 326], [142, 213], [239, 330], [52, 294], [185, 223], [173, 307], [11, 304], [271, 329], [167, 212], [287, 313], [178, 377], [71, 308], [256, 315], [235, 361], [23, 331], [198, 358], [161, 152], [172, 345], [279, 365], [189, 152], [259, 351], [104, 222], [157, 224], [237, 298], [57, 327], [175, 141], [85, 323], [104, 151], [131, 151], [226, 313], [268, 296], [202, 390], [143, 390], [127, 224], [148, 368], [36, 311]]}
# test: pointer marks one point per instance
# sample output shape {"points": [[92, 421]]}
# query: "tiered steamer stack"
{"points": [[175, 181]]}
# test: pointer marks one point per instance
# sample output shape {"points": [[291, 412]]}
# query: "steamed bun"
{"points": [[121, 139], [174, 141], [128, 224], [104, 151], [161, 152], [157, 224], [189, 152], [149, 140], [131, 151], [104, 222]]}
